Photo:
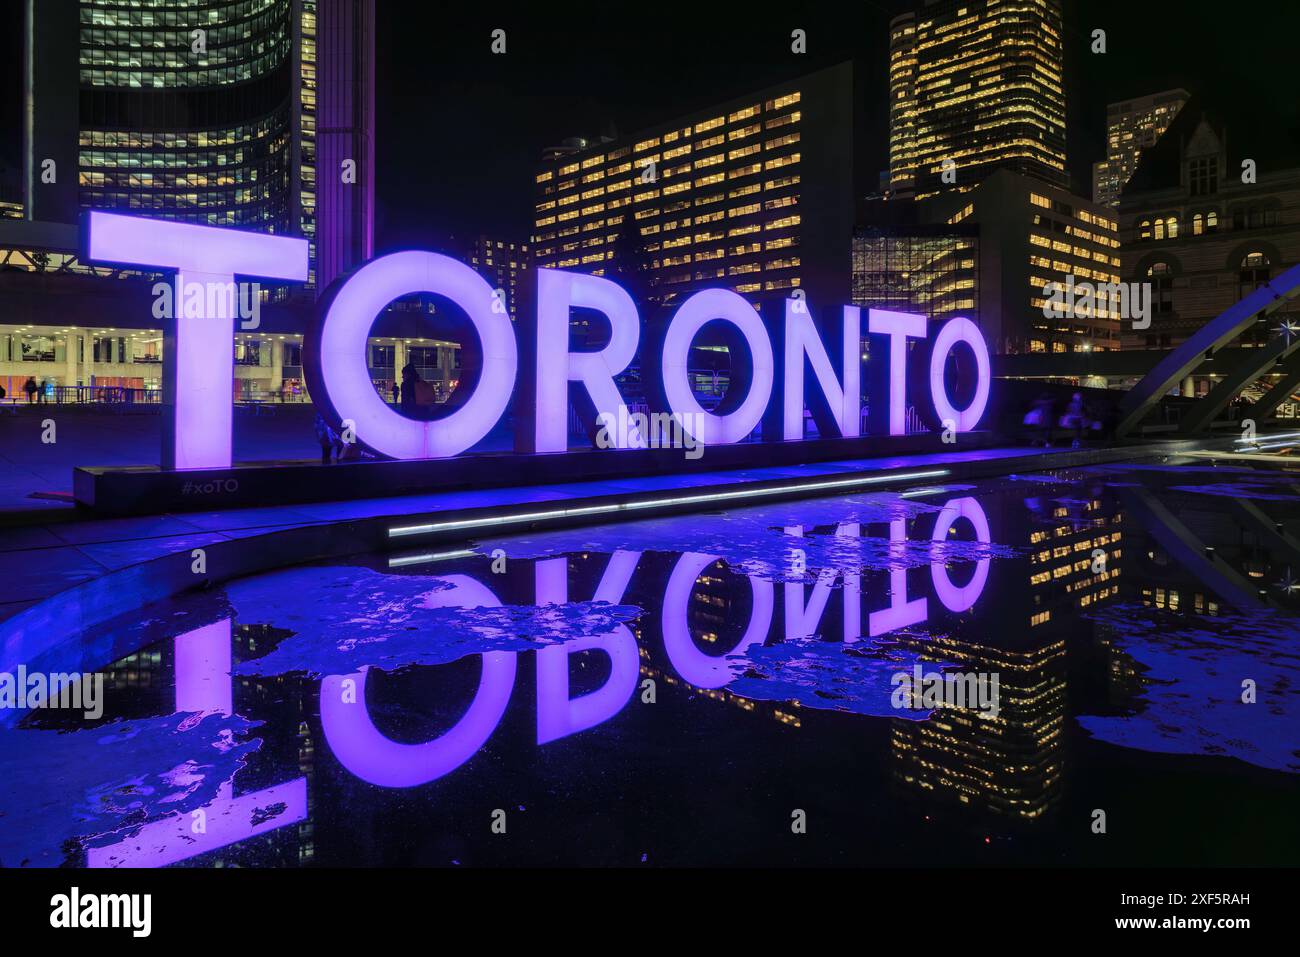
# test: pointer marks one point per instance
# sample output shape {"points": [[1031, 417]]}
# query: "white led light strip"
{"points": [[1268, 438], [928, 490], [429, 557], [402, 532]]}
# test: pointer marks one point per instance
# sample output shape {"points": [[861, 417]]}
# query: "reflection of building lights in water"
{"points": [[203, 682], [366, 753]]}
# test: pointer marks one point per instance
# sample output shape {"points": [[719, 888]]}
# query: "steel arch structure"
{"points": [[1202, 345]]}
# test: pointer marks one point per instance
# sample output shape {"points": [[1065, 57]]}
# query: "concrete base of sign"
{"points": [[138, 490]]}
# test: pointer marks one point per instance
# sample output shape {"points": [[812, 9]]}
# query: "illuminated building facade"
{"points": [[930, 270], [502, 263], [206, 113], [1131, 127], [144, 82], [927, 269], [1201, 236], [755, 194], [220, 113], [336, 97], [1043, 234], [977, 83]]}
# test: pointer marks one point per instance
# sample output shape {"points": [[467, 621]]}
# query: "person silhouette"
{"points": [[409, 378]]}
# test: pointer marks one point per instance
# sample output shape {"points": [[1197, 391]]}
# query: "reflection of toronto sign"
{"points": [[204, 684], [767, 386], [366, 751], [363, 749]]}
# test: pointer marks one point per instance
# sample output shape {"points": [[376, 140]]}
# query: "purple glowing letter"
{"points": [[203, 684], [900, 612], [366, 752], [898, 326], [557, 293], [954, 331], [346, 378], [844, 398], [228, 820], [804, 620], [704, 306], [955, 597], [695, 667], [199, 349], [558, 715], [203, 669]]}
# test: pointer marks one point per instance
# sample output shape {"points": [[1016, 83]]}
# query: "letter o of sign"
{"points": [[341, 357], [704, 306], [955, 331]]}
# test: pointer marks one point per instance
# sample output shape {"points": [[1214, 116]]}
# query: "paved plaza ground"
{"points": [[48, 545], [37, 475]]}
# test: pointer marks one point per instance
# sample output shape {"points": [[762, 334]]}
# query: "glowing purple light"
{"points": [[557, 293], [366, 752], [900, 612], [204, 362], [203, 683], [202, 665], [802, 620], [226, 820], [703, 307], [844, 396], [955, 331], [959, 598], [695, 667], [199, 363], [558, 715], [346, 375], [162, 243], [898, 326]]}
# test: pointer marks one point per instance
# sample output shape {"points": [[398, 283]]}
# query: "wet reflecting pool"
{"points": [[1099, 666]]}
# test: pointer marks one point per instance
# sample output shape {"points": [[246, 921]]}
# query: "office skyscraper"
{"points": [[502, 262], [208, 113], [250, 114], [975, 84], [1131, 127], [756, 194]]}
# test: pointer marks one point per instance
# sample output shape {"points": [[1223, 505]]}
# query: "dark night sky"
{"points": [[485, 118], [460, 130]]}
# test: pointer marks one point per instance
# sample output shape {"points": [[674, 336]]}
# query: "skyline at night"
{"points": [[844, 443], [695, 59], [463, 129]]}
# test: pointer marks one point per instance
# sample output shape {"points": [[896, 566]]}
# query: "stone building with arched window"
{"points": [[1194, 226]]}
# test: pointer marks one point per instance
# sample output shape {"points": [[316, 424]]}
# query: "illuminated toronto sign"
{"points": [[198, 347], [767, 390]]}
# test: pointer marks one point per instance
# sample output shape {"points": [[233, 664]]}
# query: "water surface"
{"points": [[715, 689]]}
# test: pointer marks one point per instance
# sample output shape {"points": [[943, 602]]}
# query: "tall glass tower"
{"points": [[975, 86], [188, 111], [205, 111]]}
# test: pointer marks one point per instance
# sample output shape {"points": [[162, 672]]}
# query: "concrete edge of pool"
{"points": [[236, 549]]}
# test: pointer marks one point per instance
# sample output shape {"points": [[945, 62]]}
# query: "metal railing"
{"points": [[105, 395]]}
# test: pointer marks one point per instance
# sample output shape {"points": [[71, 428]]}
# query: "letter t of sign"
{"points": [[198, 348]]}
